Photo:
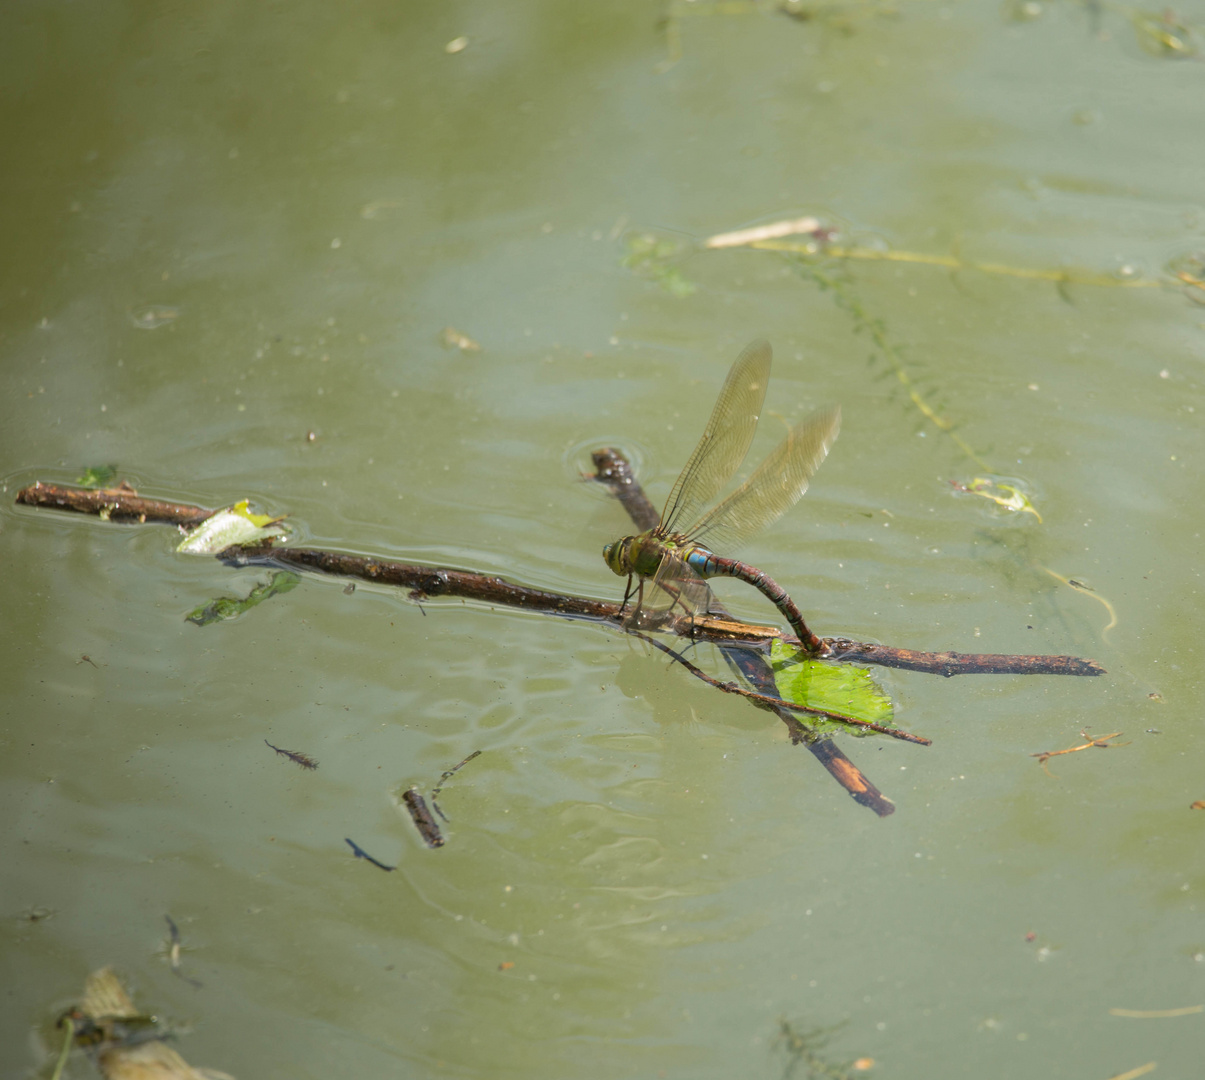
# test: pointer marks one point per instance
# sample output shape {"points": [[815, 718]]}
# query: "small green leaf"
{"points": [[227, 607], [233, 525], [97, 476], [833, 688]]}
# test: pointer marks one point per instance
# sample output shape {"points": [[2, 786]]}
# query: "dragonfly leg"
{"points": [[682, 603], [627, 595]]}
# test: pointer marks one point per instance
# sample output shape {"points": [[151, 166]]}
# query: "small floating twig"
{"points": [[360, 853], [447, 776], [775, 230], [1101, 741], [428, 827], [1157, 1014], [1133, 1074], [304, 760]]}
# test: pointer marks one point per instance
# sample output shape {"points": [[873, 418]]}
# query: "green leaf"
{"points": [[97, 476], [233, 525], [833, 688], [227, 607]]}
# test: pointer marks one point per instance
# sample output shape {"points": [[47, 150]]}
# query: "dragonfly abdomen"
{"points": [[705, 564]]}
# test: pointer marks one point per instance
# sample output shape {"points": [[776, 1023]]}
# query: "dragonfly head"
{"points": [[617, 556]]}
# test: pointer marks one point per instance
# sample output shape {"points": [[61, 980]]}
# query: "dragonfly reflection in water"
{"points": [[677, 554]]}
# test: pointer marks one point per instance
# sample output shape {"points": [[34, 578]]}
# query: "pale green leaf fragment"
{"points": [[225, 528], [97, 476], [1007, 496], [841, 689]]}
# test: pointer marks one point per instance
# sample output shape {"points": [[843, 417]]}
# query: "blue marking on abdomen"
{"points": [[700, 562]]}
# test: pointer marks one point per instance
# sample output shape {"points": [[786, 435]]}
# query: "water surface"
{"points": [[234, 236]]}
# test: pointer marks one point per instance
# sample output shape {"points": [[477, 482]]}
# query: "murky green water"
{"points": [[231, 226]]}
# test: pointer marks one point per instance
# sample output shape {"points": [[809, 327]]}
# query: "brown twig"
{"points": [[112, 504], [949, 664], [1101, 741]]}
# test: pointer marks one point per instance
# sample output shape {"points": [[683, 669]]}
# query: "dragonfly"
{"points": [[679, 552]]}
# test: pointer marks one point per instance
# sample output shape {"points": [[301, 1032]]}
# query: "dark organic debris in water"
{"points": [[444, 778], [304, 760], [360, 853], [428, 827], [174, 952]]}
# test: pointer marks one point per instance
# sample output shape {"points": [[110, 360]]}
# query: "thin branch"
{"points": [[949, 664], [112, 504]]}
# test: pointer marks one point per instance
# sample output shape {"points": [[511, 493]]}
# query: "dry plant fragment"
{"points": [[1102, 741], [1157, 1014], [772, 231]]}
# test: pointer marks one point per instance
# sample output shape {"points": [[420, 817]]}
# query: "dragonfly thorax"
{"points": [[641, 555]]}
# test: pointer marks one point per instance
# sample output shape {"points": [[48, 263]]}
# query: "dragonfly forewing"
{"points": [[776, 485], [725, 440]]}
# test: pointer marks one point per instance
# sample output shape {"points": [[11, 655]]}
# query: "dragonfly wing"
{"points": [[725, 440], [776, 485], [676, 589]]}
